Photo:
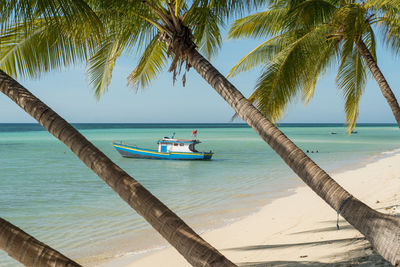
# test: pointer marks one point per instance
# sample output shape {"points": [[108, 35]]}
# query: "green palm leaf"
{"points": [[293, 70], [128, 26], [259, 25], [268, 49], [294, 62], [351, 80], [389, 25], [151, 63], [101, 65], [74, 12], [42, 48]]}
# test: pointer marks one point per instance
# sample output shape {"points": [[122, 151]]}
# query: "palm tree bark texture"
{"points": [[28, 250], [195, 250], [383, 231], [380, 79]]}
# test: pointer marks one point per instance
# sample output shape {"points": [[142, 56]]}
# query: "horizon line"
{"points": [[239, 123]]}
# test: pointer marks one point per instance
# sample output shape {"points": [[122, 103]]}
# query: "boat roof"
{"points": [[187, 141]]}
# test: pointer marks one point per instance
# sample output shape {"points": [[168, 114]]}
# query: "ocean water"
{"points": [[49, 193]]}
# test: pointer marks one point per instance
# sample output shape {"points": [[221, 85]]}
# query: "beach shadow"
{"points": [[371, 259], [326, 229], [333, 222], [389, 208], [278, 246], [367, 261], [361, 256]]}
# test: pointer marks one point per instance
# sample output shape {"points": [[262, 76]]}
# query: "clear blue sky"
{"points": [[68, 93]]}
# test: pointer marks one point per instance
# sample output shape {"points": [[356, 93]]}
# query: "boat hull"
{"points": [[130, 151]]}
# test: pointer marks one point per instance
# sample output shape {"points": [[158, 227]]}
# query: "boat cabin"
{"points": [[167, 145]]}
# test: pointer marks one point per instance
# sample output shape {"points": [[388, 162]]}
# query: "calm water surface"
{"points": [[48, 192]]}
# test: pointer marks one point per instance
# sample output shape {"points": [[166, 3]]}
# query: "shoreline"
{"points": [[300, 227], [154, 242]]}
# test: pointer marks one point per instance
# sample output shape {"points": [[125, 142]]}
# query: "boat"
{"points": [[168, 148]]}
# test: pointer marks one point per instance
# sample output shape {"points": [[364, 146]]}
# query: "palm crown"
{"points": [[39, 36], [308, 36], [134, 27]]}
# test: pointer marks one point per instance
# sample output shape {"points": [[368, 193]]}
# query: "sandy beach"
{"points": [[300, 229]]}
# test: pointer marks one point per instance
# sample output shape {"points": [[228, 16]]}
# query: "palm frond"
{"points": [[258, 55], [318, 67], [383, 4], [390, 28], [270, 95], [259, 25], [101, 65], [369, 40], [75, 12], [231, 9], [351, 80], [294, 69], [42, 49], [205, 25], [298, 15], [350, 21], [151, 63]]}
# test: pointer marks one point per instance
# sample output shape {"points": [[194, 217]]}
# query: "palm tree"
{"points": [[175, 28], [196, 251], [26, 248], [305, 37], [66, 30]]}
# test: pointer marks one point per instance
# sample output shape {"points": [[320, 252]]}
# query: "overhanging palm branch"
{"points": [[49, 47], [291, 70], [150, 64], [39, 36], [351, 79], [102, 63], [75, 12], [206, 30], [258, 25], [257, 56], [345, 25], [204, 17]]}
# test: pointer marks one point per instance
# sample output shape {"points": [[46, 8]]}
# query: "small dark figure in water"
{"points": [[308, 151], [316, 151], [312, 151]]}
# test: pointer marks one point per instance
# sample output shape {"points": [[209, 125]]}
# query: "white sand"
{"points": [[301, 228]]}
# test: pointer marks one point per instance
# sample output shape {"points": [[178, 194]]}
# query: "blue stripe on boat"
{"points": [[136, 152]]}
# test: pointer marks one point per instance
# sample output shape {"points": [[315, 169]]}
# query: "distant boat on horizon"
{"points": [[168, 148]]}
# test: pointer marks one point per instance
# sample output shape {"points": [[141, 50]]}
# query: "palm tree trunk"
{"points": [[380, 79], [383, 231], [195, 250], [28, 250]]}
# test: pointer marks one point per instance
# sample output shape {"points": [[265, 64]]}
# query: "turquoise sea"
{"points": [[49, 193]]}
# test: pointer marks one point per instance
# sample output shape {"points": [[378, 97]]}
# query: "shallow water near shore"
{"points": [[49, 193]]}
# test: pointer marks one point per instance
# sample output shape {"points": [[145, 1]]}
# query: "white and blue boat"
{"points": [[168, 148]]}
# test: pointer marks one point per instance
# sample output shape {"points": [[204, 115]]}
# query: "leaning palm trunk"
{"points": [[383, 231], [380, 79], [28, 250], [196, 251]]}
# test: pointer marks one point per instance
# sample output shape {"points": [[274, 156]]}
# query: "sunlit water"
{"points": [[49, 193]]}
